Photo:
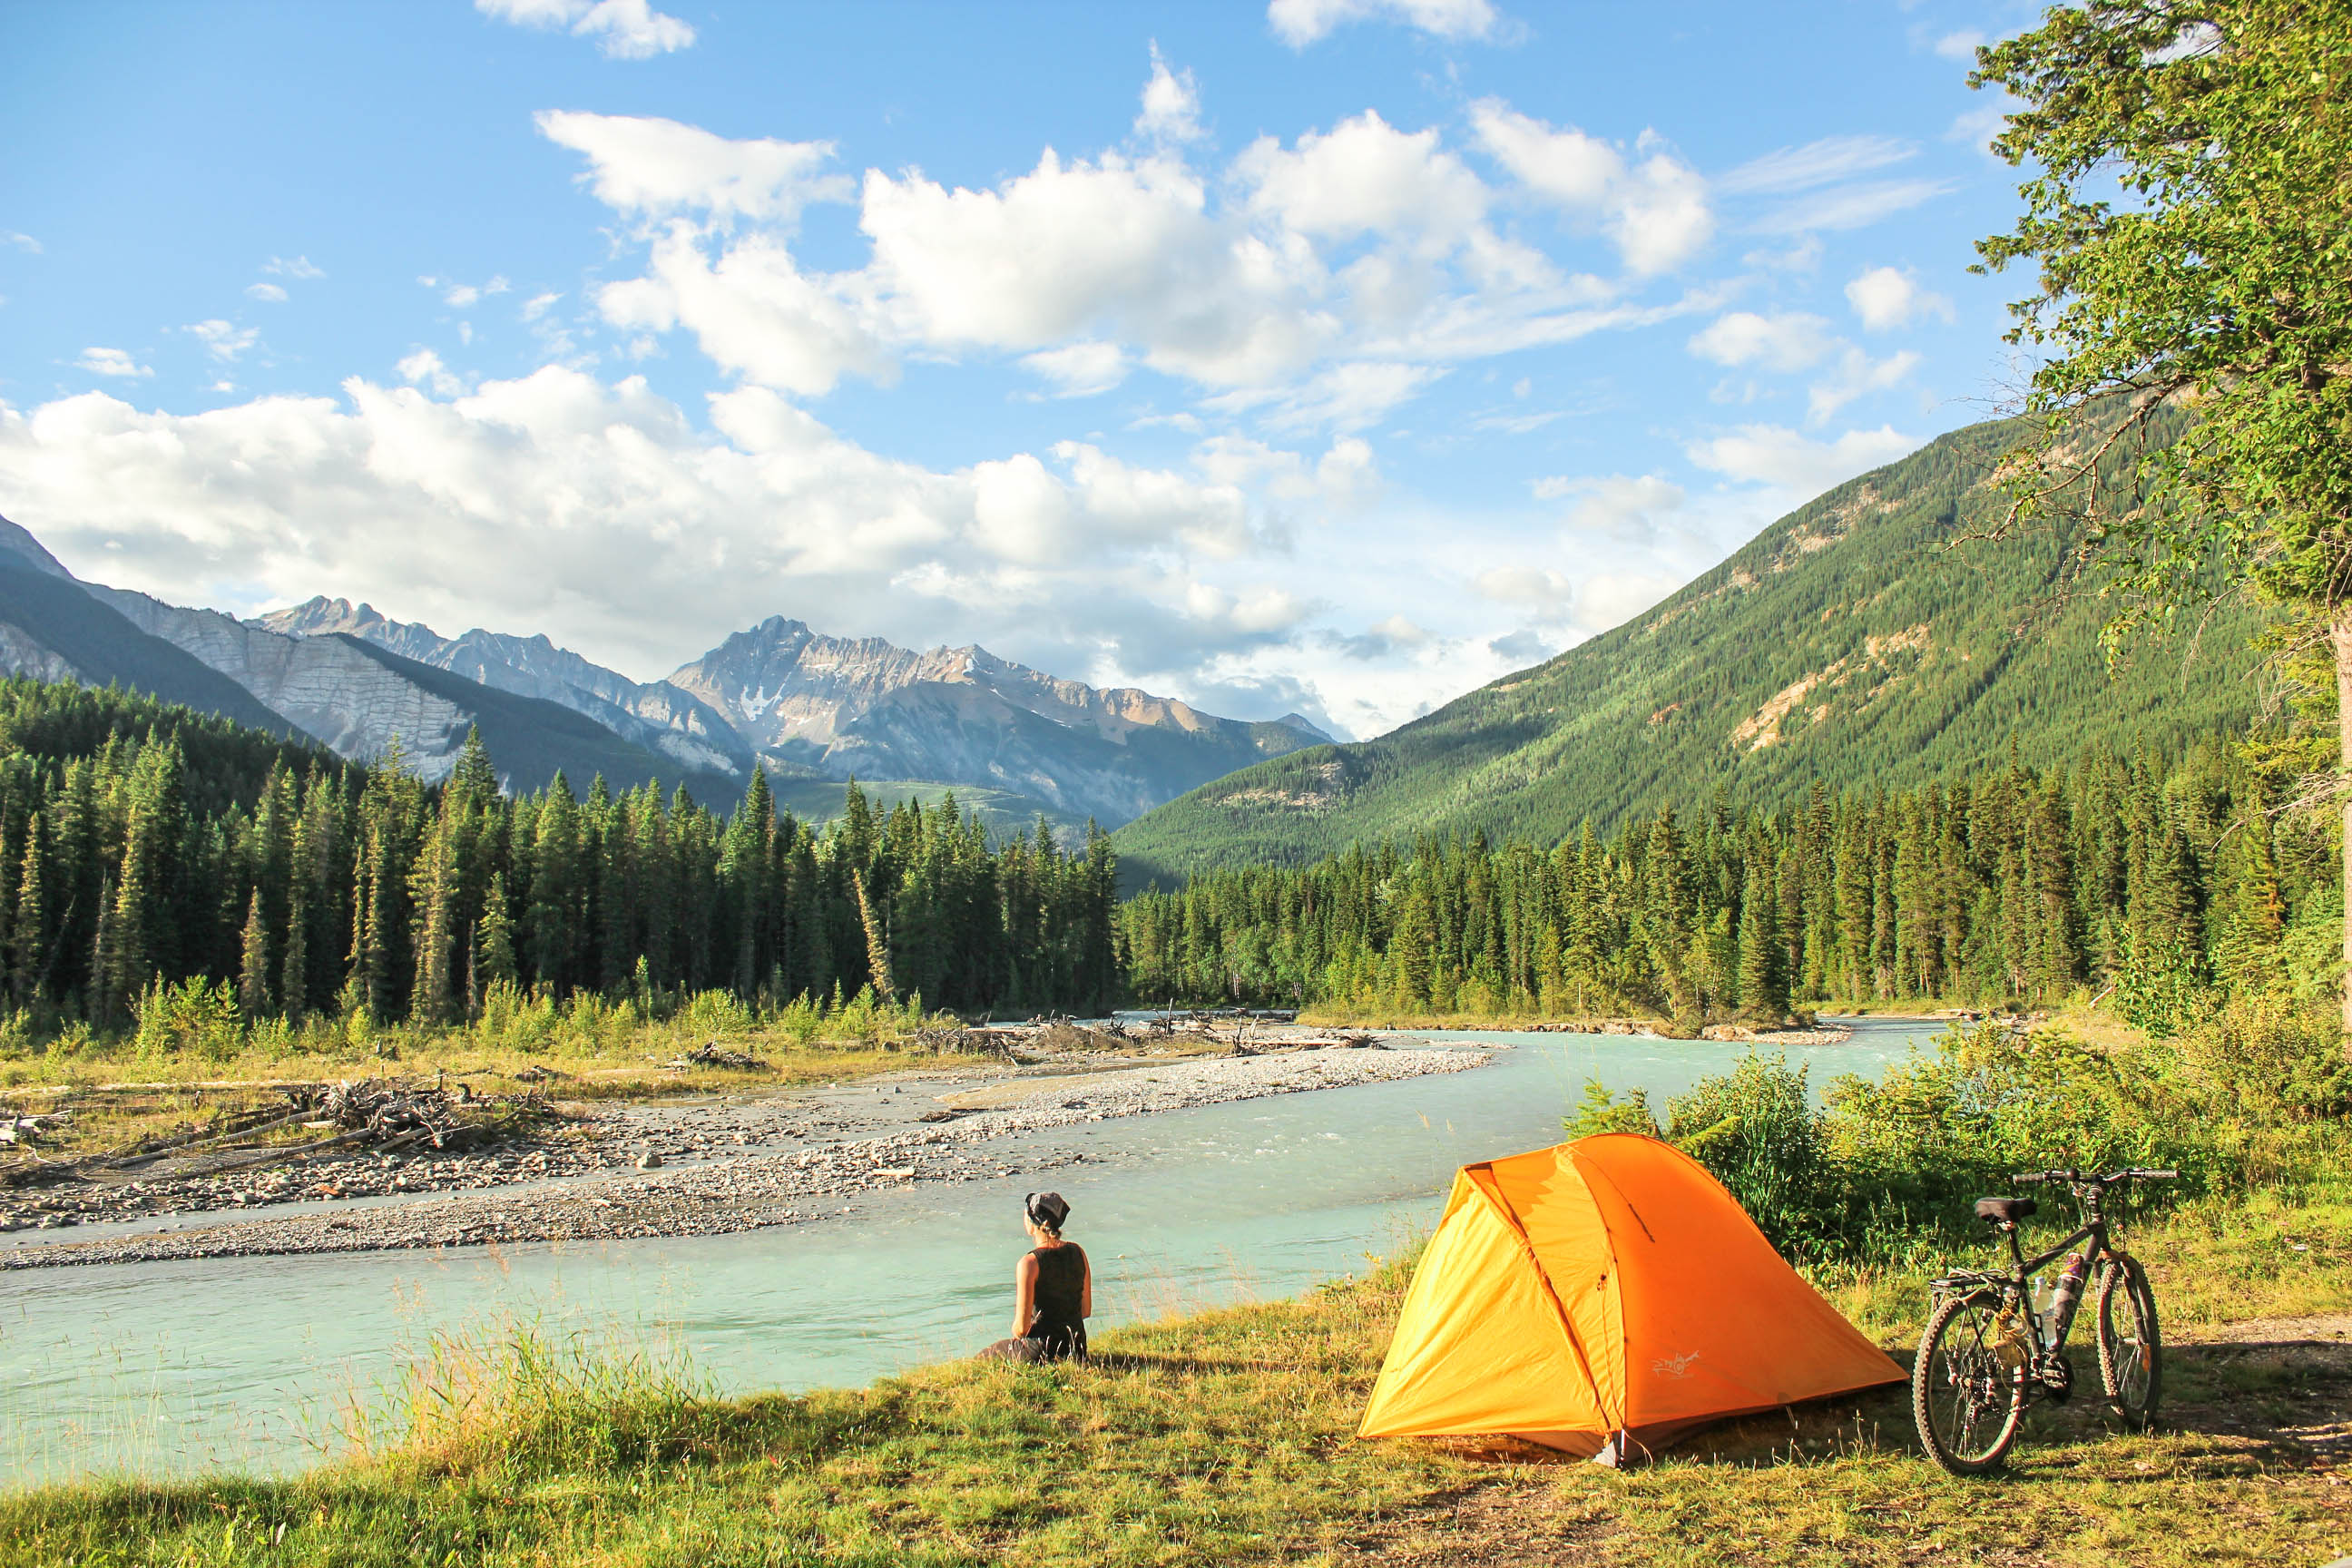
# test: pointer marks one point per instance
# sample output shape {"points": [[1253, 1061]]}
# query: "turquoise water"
{"points": [[179, 1366]]}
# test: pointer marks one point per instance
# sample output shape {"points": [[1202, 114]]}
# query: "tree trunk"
{"points": [[2341, 630]]}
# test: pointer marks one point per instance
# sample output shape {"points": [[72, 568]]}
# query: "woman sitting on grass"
{"points": [[1052, 1290]]}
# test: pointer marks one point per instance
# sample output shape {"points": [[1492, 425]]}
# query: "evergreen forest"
{"points": [[145, 847], [2163, 884]]}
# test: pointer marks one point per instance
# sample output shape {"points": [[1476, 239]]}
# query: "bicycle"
{"points": [[1990, 1349]]}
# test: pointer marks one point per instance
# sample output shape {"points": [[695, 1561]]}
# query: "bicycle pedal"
{"points": [[2057, 1378]]}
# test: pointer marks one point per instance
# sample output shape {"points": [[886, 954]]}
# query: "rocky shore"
{"points": [[691, 1169]]}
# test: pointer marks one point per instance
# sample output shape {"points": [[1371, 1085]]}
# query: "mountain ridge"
{"points": [[1856, 640], [811, 708]]}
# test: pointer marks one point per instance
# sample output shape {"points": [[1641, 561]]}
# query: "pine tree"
{"points": [[253, 973], [494, 938], [1763, 983], [878, 946], [28, 944]]}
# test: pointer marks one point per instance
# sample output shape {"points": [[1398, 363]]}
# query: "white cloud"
{"points": [[752, 311], [267, 293], [599, 514], [1657, 210], [111, 361], [224, 341], [537, 305], [1856, 374], [1976, 127], [1630, 506], [1271, 288], [1566, 166], [423, 368], [24, 242], [1300, 23], [301, 268], [1960, 46], [1171, 104], [1855, 205], [1780, 342], [1080, 370], [1821, 163], [464, 296], [624, 29], [1352, 397], [1537, 587], [1782, 458], [656, 167], [1886, 298], [1364, 176]]}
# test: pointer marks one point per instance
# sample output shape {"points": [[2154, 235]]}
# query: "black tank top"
{"points": [[1061, 1283]]}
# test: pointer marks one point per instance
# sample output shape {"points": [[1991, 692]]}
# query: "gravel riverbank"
{"points": [[699, 1168]]}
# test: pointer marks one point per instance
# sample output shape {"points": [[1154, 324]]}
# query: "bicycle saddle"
{"points": [[2007, 1211]]}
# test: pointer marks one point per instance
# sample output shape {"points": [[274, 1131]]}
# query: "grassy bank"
{"points": [[190, 1066], [1227, 1437]]}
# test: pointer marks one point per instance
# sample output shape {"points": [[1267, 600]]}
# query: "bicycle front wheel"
{"points": [[1968, 1385], [2131, 1349]]}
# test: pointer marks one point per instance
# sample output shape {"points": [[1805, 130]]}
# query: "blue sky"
{"points": [[1336, 355]]}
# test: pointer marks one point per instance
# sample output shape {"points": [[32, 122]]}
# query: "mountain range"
{"points": [[1889, 633], [814, 711]]}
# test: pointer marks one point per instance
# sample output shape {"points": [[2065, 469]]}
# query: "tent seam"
{"points": [[1534, 1260]]}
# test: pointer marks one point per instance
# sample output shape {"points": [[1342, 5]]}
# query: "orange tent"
{"points": [[1603, 1292]]}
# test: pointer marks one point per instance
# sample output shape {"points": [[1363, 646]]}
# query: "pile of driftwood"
{"points": [[714, 1055], [370, 1115]]}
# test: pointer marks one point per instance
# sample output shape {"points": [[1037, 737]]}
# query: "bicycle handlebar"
{"points": [[2087, 1179]]}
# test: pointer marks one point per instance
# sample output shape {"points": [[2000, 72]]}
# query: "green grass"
{"points": [[1226, 1438]]}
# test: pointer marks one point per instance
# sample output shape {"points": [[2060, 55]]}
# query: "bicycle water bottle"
{"points": [[2067, 1293]]}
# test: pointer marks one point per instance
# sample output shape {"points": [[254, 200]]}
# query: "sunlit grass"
{"points": [[1227, 1436]]}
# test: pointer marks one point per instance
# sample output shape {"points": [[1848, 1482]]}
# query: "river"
{"points": [[181, 1366]]}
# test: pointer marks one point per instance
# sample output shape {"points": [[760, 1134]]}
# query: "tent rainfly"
{"points": [[1605, 1295]]}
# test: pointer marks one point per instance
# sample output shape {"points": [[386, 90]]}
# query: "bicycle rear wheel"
{"points": [[1968, 1385], [2131, 1347]]}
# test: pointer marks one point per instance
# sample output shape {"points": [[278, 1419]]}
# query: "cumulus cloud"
{"points": [[1782, 343], [641, 165], [1537, 588], [464, 296], [1629, 506], [1322, 279], [224, 341], [601, 514], [1171, 104], [1300, 23], [423, 368], [1655, 209], [267, 293], [112, 362], [623, 30], [1788, 461], [1080, 370], [1856, 374], [1961, 46], [1364, 176], [1886, 298]]}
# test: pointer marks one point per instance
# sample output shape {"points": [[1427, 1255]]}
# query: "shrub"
{"points": [[196, 1018], [1756, 1128]]}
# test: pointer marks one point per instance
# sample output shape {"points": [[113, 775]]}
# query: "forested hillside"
{"points": [[143, 847], [1863, 639], [2167, 883]]}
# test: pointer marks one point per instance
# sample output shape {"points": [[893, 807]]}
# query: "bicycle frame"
{"points": [[2023, 1268]]}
